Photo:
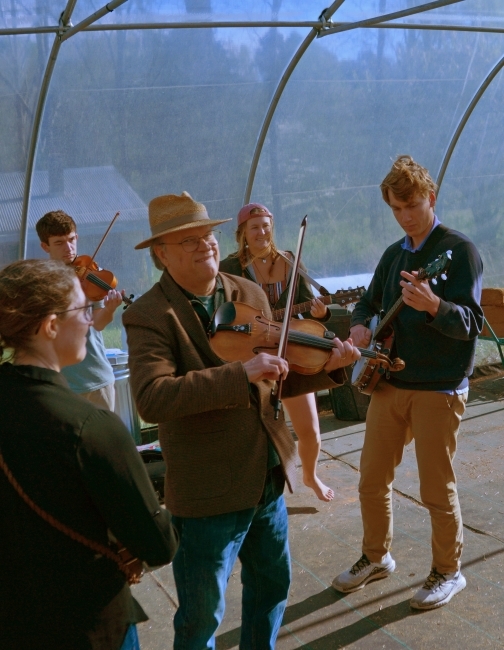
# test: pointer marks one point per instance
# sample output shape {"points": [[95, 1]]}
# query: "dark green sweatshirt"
{"points": [[439, 352]]}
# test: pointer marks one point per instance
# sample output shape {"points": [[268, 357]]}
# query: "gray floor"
{"points": [[325, 539]]}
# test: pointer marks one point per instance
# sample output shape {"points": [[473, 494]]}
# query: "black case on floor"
{"points": [[348, 403], [156, 469]]}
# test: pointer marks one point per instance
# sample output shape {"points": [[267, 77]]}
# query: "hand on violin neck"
{"points": [[103, 316], [318, 309], [265, 366], [361, 335], [344, 354], [112, 300]]}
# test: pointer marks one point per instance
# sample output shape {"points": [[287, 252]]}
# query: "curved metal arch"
{"points": [[464, 119], [319, 32], [37, 119], [370, 22], [66, 30], [327, 13], [114, 27]]}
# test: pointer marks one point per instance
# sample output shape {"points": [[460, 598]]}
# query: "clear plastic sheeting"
{"points": [[234, 101], [22, 63], [29, 13], [466, 13], [183, 11], [347, 113]]}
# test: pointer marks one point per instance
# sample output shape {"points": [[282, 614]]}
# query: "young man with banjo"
{"points": [[434, 332]]}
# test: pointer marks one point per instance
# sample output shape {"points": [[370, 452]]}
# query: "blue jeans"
{"points": [[131, 641], [208, 550]]}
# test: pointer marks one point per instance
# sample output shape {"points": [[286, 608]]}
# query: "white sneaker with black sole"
{"points": [[362, 572], [439, 589]]}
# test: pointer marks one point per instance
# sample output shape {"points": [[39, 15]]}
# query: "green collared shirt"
{"points": [[205, 307]]}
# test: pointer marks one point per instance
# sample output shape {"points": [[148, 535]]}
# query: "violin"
{"points": [[238, 332], [95, 281]]}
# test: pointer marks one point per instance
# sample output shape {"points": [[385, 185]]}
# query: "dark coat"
{"points": [[438, 352], [79, 463]]}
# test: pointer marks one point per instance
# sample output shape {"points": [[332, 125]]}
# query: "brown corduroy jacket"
{"points": [[213, 425]]}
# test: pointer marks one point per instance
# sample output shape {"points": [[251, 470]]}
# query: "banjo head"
{"points": [[361, 365]]}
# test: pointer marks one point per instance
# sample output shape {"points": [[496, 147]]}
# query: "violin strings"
{"points": [[106, 287], [302, 338], [98, 281]]}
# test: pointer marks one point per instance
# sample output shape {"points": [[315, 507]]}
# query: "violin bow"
{"points": [[105, 235], [322, 290], [276, 394]]}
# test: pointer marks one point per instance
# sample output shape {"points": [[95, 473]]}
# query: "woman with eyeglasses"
{"points": [[71, 480], [258, 259]]}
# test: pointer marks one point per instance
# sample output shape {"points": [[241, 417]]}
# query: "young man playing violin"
{"points": [[435, 334], [92, 378], [227, 457]]}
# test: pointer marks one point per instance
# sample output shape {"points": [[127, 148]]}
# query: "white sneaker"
{"points": [[438, 590], [362, 572]]}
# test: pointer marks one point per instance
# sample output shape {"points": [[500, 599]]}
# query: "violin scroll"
{"points": [[386, 363]]}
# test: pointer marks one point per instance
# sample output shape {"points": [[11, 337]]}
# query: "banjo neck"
{"points": [[389, 317], [430, 272]]}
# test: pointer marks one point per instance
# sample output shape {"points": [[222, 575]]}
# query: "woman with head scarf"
{"points": [[258, 259]]}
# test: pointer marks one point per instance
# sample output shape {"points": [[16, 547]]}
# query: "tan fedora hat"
{"points": [[171, 213]]}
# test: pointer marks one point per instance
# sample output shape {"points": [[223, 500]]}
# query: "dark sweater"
{"points": [[79, 463], [439, 352]]}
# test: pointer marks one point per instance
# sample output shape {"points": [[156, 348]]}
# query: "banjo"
{"points": [[365, 374]]}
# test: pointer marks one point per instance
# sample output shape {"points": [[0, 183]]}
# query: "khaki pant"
{"points": [[104, 397], [395, 417]]}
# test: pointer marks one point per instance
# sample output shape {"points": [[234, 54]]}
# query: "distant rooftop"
{"points": [[91, 195]]}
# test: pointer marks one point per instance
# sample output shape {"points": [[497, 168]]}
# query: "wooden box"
{"points": [[492, 298], [495, 317]]}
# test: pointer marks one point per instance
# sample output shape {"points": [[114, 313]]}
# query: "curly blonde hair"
{"points": [[407, 178], [30, 290]]}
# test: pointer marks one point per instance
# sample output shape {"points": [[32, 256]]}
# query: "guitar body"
{"points": [[343, 297], [366, 374]]}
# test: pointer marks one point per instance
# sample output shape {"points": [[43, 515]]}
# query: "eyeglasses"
{"points": [[191, 244], [88, 312]]}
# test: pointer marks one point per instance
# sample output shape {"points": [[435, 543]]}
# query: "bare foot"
{"points": [[323, 492]]}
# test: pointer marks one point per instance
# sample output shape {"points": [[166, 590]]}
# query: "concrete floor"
{"points": [[325, 539]]}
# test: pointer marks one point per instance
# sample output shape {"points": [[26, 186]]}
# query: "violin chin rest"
{"points": [[224, 315]]}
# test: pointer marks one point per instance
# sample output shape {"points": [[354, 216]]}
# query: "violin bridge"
{"points": [[267, 337]]}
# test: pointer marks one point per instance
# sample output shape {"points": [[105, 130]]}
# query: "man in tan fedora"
{"points": [[227, 458]]}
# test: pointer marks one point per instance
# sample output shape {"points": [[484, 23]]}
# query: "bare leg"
{"points": [[304, 417]]}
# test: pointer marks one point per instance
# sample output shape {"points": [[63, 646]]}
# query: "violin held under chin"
{"points": [[95, 281], [238, 332]]}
